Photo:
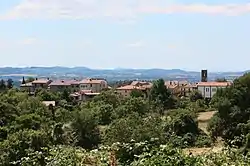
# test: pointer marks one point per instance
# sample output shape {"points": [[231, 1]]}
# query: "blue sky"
{"points": [[185, 34]]}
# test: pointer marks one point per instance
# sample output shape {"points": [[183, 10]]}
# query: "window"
{"points": [[214, 89], [90, 85], [207, 89]]}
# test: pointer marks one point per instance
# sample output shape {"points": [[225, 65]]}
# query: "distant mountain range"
{"points": [[110, 74]]}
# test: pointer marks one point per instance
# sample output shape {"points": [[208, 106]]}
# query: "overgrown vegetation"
{"points": [[112, 130]]}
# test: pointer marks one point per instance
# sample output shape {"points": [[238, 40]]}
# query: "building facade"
{"points": [[62, 85], [209, 89], [95, 85], [126, 90]]}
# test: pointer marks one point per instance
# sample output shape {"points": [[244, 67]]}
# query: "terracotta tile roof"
{"points": [[41, 81], [171, 86], [149, 86], [190, 86], [130, 87], [64, 83], [222, 84], [139, 83], [91, 81]]}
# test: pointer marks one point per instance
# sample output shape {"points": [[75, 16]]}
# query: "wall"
{"points": [[94, 87], [208, 91]]}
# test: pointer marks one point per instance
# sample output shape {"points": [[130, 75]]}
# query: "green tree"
{"points": [[66, 95], [2, 85], [137, 93], [195, 95], [29, 79], [104, 113], [161, 95], [46, 95], [85, 126], [233, 104], [23, 81], [221, 80], [108, 97], [134, 127], [9, 83]]}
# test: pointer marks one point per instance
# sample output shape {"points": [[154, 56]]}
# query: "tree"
{"points": [[221, 80], [23, 81], [29, 79], [9, 83], [233, 104], [132, 105], [137, 93], [85, 126], [2, 85], [104, 113], [195, 95], [46, 95], [65, 96], [134, 127], [161, 95]]}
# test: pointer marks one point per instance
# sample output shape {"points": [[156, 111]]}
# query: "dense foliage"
{"points": [[231, 122]]}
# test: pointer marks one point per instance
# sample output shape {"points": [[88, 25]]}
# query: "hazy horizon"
{"points": [[121, 68], [190, 35]]}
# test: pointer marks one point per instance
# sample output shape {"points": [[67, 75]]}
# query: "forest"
{"points": [[111, 130]]}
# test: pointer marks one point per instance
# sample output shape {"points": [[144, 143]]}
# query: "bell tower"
{"points": [[203, 75]]}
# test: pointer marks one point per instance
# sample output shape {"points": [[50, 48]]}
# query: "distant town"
{"points": [[85, 89]]}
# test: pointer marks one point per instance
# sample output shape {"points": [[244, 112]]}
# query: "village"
{"points": [[83, 90]]}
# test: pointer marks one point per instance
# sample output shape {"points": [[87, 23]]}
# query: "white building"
{"points": [[208, 89]]}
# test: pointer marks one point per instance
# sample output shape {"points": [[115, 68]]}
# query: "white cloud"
{"points": [[137, 44], [80, 9]]}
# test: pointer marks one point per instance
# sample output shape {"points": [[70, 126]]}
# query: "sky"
{"points": [[169, 34]]}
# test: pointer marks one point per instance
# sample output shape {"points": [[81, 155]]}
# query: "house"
{"points": [[135, 85], [173, 87], [27, 87], [61, 85], [208, 89], [188, 89], [83, 95], [95, 85], [41, 83]]}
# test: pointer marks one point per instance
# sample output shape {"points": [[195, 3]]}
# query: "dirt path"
{"points": [[203, 119]]}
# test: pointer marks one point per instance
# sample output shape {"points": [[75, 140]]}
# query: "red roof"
{"points": [[221, 84], [92, 81], [41, 81], [130, 87], [64, 83]]}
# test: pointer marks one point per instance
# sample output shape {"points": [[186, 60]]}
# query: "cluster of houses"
{"points": [[179, 88], [80, 89], [88, 88]]}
